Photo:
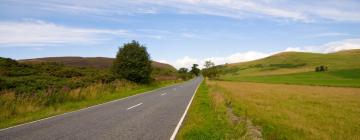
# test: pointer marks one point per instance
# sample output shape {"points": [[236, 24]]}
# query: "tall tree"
{"points": [[133, 63], [195, 70]]}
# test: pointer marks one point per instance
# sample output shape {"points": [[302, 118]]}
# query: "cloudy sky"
{"points": [[179, 32]]}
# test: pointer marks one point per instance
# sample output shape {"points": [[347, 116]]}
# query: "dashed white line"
{"points": [[134, 106], [163, 94]]}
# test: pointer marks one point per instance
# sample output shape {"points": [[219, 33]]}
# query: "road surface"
{"points": [[153, 115]]}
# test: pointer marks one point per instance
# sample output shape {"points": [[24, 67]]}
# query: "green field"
{"points": [[299, 68]]}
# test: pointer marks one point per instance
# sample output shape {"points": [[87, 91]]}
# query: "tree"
{"points": [[183, 70], [195, 70], [209, 64], [210, 70], [133, 63], [184, 73]]}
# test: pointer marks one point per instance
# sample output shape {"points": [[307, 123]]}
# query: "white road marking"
{"points": [[163, 94], [134, 106]]}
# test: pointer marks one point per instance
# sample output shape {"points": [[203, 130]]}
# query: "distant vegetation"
{"points": [[184, 73], [36, 88]]}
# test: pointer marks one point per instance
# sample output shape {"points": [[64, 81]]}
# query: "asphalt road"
{"points": [[153, 115]]}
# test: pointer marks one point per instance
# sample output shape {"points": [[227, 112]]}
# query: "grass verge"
{"points": [[16, 110], [207, 118]]}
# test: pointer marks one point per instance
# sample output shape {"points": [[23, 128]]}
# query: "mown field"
{"points": [[341, 78]]}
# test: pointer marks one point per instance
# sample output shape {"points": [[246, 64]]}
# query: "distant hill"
{"points": [[299, 68], [93, 62], [161, 71]]}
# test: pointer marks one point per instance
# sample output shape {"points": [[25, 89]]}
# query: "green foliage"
{"points": [[133, 63], [195, 70]]}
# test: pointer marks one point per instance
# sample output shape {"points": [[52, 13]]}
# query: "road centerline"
{"points": [[134, 106]]}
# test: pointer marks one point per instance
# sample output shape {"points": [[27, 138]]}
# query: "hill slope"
{"points": [[161, 71], [93, 62], [298, 68]]}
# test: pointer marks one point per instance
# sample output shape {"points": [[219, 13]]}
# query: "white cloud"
{"points": [[185, 62], [342, 45], [34, 32]]}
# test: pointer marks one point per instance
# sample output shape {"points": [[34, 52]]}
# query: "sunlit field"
{"points": [[295, 111]]}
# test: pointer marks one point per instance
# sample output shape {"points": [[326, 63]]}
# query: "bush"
{"points": [[321, 68]]}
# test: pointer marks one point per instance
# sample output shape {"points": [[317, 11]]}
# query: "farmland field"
{"points": [[295, 111]]}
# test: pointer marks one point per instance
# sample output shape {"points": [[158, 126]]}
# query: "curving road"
{"points": [[152, 115]]}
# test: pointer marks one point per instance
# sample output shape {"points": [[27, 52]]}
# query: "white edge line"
{"points": [[183, 116], [163, 94], [91, 106], [134, 106]]}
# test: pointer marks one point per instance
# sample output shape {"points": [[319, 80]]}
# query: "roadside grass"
{"points": [[207, 118], [294, 111], [343, 78], [17, 109]]}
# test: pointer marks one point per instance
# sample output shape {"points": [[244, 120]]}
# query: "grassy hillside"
{"points": [[299, 68]]}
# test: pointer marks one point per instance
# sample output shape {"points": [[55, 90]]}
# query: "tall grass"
{"points": [[20, 108], [297, 112]]}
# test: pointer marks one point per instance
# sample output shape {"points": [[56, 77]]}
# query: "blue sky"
{"points": [[179, 32]]}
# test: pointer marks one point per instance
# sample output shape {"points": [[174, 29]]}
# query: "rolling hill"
{"points": [[299, 68]]}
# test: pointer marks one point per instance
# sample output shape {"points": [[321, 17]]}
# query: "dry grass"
{"points": [[297, 112]]}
